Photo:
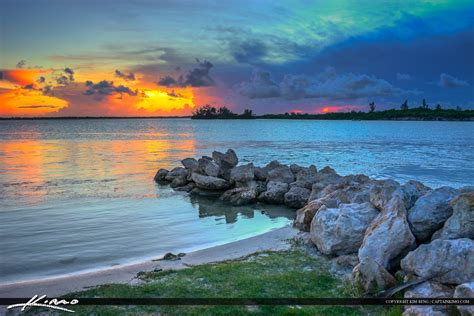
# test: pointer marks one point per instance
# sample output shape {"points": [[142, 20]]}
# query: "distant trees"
{"points": [[424, 104], [247, 113], [372, 107], [404, 105], [438, 107], [210, 112]]}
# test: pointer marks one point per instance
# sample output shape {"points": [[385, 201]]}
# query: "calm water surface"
{"points": [[77, 195]]}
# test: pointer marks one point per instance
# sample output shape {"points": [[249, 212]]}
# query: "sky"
{"points": [[166, 57]]}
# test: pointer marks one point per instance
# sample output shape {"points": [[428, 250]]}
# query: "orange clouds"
{"points": [[23, 102], [49, 97], [24, 76]]}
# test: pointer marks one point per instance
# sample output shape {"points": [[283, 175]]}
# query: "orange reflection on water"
{"points": [[33, 170]]}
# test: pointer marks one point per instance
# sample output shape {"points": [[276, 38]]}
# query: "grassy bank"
{"points": [[297, 273]]}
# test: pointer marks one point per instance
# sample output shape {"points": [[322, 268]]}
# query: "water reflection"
{"points": [[213, 207]]}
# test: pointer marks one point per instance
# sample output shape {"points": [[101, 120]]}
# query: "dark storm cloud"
{"points": [[197, 77], [261, 86], [247, 47], [326, 85], [447, 81], [251, 51], [105, 87], [127, 77], [167, 81], [66, 77]]}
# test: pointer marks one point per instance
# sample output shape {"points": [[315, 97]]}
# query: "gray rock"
{"points": [[179, 181], [305, 215], [430, 212], [428, 290], [226, 161], [260, 173], [205, 193], [388, 236], [272, 165], [296, 197], [175, 173], [240, 196], [295, 168], [461, 223], [207, 166], [244, 173], [307, 174], [343, 265], [275, 193], [281, 174], [466, 189], [210, 183], [186, 188], [465, 290], [160, 176], [190, 164], [446, 261], [381, 192], [340, 231], [302, 184], [371, 276], [412, 191], [328, 171]]}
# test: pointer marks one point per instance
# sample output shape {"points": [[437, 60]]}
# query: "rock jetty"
{"points": [[381, 226]]}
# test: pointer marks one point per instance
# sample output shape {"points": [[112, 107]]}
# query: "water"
{"points": [[77, 195]]}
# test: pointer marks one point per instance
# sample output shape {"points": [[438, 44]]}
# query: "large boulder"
{"points": [[240, 196], [160, 176], [296, 197], [465, 290], [447, 261], [461, 223], [371, 276], [207, 166], [412, 191], [388, 236], [209, 183], [245, 194], [430, 212], [190, 164], [175, 173], [340, 231], [226, 161], [275, 193], [381, 192], [305, 215], [309, 174], [428, 290], [260, 173], [242, 174], [179, 181], [186, 188], [281, 173]]}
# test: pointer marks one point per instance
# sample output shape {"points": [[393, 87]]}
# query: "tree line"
{"points": [[422, 112]]}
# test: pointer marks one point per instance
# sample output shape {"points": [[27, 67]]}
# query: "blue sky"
{"points": [[271, 56]]}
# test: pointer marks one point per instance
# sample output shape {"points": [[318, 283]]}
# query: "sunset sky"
{"points": [[164, 57]]}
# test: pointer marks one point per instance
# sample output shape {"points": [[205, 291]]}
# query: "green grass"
{"points": [[295, 273]]}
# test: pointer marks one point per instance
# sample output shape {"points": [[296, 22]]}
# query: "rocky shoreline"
{"points": [[383, 229]]}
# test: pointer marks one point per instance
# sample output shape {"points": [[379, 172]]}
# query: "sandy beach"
{"points": [[274, 240]]}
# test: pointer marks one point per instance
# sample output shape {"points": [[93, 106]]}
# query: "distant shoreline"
{"points": [[263, 117], [210, 113]]}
